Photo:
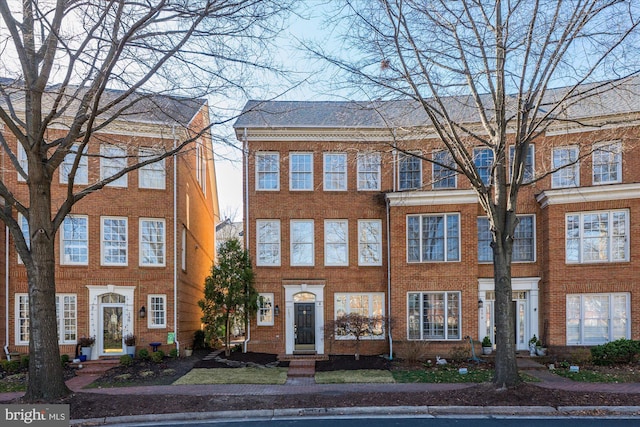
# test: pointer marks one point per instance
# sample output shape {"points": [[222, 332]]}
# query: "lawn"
{"points": [[248, 375]]}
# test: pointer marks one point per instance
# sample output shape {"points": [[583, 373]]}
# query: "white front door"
{"points": [[110, 340]]}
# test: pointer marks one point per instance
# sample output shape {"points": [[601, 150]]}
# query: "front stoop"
{"points": [[301, 369], [95, 367]]}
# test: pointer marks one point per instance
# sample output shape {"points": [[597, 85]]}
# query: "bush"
{"points": [[130, 340], [143, 354], [459, 354], [64, 359], [157, 356], [198, 339], [10, 366], [126, 360], [618, 351], [173, 353], [414, 351], [24, 362]]}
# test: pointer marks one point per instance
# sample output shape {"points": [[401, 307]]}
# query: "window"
{"points": [[370, 305], [369, 171], [529, 166], [265, 309], [524, 247], [599, 236], [75, 240], [483, 160], [66, 316], [114, 241], [24, 226], [157, 311], [152, 242], [443, 175], [433, 237], [410, 170], [268, 244], [594, 319], [201, 166], [267, 171], [336, 242], [566, 167], [301, 165], [82, 172], [607, 163], [369, 242], [335, 171], [183, 249], [434, 316], [152, 175], [23, 162], [302, 245], [112, 160]]}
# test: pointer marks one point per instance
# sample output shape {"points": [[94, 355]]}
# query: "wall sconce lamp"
{"points": [[276, 310], [143, 312], [480, 304]]}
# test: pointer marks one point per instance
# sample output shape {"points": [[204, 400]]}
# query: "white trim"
{"points": [[150, 311], [277, 262], [344, 172], [63, 261], [164, 236], [597, 148], [262, 154], [380, 254], [95, 307], [102, 241], [599, 193], [433, 171], [445, 237], [557, 169], [271, 297], [435, 197], [292, 242], [158, 167], [290, 291], [366, 155], [346, 242], [299, 153]]}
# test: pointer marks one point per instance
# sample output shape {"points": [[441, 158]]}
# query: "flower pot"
{"points": [[86, 351], [487, 350], [541, 351], [130, 350], [188, 352], [82, 358]]}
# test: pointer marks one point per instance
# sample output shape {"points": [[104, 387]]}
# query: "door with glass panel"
{"points": [[519, 309], [111, 324]]}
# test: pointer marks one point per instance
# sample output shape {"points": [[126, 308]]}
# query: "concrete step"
{"points": [[95, 367]]}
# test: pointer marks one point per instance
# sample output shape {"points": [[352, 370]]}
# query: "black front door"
{"points": [[305, 325]]}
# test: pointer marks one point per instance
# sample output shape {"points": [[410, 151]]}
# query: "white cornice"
{"points": [[589, 194], [427, 198]]}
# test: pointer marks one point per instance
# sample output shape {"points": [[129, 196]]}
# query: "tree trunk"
{"points": [[227, 335]]}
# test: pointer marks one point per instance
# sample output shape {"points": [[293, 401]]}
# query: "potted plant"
{"points": [[532, 345], [85, 346], [487, 348], [540, 349], [188, 351], [130, 344]]}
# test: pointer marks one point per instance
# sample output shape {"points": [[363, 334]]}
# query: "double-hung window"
{"points": [[528, 167], [265, 309], [483, 160], [268, 171], [22, 319], [594, 319], [157, 311], [524, 247], [24, 227], [114, 241], [301, 171], [82, 171], [23, 162], [444, 175], [336, 242], [433, 316], [566, 168], [369, 305], [410, 172], [600, 236], [433, 237], [369, 171], [75, 240], [268, 242], [335, 171], [66, 318], [369, 242], [153, 175], [302, 242], [201, 166], [152, 242], [607, 163], [112, 160]]}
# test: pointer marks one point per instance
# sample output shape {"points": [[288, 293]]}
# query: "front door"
{"points": [[519, 307], [111, 329], [304, 327]]}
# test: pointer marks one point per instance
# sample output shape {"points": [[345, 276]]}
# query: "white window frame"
{"points": [[372, 311], [82, 172], [529, 169], [183, 248], [446, 239], [446, 309], [153, 310], [403, 184], [516, 239], [275, 245], [610, 318], [103, 242], [307, 242], [113, 159], [580, 238], [154, 175], [611, 152], [334, 244], [335, 171], [64, 241], [201, 166], [441, 175], [22, 308], [265, 160], [22, 319], [24, 226], [476, 155], [367, 257], [62, 314], [565, 176], [23, 162], [309, 173], [266, 305], [162, 243], [369, 166]]}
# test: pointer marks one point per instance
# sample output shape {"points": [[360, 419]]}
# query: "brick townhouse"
{"points": [[131, 258], [338, 221]]}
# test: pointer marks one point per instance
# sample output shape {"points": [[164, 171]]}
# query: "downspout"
{"points": [[245, 155], [6, 290], [389, 279], [175, 240]]}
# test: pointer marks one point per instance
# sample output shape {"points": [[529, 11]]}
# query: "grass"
{"points": [[589, 376], [443, 375], [354, 376], [234, 376]]}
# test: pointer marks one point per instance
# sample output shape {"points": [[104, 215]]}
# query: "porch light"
{"points": [[143, 312], [480, 304], [276, 310]]}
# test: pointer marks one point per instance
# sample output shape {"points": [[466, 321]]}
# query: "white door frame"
{"points": [[289, 292], [95, 315]]}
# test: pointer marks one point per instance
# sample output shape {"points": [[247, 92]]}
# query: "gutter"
{"points": [[245, 155], [175, 241], [389, 279]]}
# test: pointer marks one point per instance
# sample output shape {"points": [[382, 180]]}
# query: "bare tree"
{"points": [[482, 73], [80, 67], [358, 326]]}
